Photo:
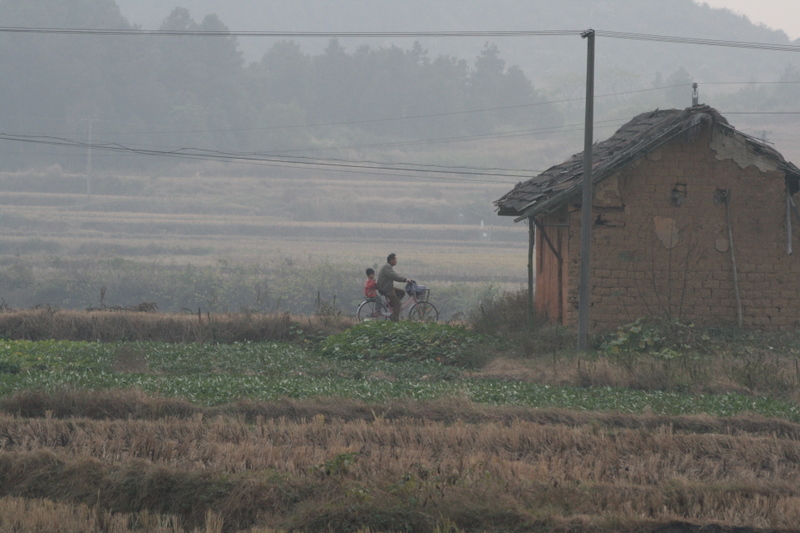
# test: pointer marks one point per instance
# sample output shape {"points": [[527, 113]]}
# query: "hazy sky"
{"points": [[779, 14]]}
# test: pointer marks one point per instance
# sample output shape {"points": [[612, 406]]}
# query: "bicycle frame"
{"points": [[420, 308], [405, 303]]}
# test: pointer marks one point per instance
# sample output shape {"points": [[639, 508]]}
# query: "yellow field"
{"points": [[204, 220], [310, 466], [61, 246]]}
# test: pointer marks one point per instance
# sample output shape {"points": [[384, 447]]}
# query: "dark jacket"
{"points": [[386, 278]]}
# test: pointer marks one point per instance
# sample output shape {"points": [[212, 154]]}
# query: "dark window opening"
{"points": [[678, 194], [793, 183]]}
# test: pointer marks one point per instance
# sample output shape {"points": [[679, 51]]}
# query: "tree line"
{"points": [[167, 93], [186, 91]]}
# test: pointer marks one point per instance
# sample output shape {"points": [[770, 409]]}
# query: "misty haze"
{"points": [[229, 173], [202, 201]]}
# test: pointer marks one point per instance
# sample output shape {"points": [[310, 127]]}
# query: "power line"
{"points": [[298, 34], [346, 166], [464, 138], [392, 119], [383, 34], [197, 153], [285, 159], [442, 114], [694, 40]]}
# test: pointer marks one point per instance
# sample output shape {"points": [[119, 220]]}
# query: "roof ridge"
{"points": [[639, 136]]}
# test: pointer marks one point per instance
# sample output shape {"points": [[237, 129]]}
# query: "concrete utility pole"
{"points": [[531, 243], [584, 289]]}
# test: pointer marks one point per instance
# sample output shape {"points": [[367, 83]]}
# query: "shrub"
{"points": [[500, 313], [666, 338], [659, 354], [408, 341]]}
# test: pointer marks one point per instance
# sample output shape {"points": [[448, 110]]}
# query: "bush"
{"points": [[408, 341], [501, 313], [665, 338]]}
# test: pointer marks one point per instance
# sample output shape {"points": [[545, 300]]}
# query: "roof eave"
{"points": [[599, 175]]}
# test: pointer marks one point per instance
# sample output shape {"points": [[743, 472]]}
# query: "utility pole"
{"points": [[531, 243], [584, 289]]}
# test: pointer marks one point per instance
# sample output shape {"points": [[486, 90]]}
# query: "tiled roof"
{"points": [[644, 133]]}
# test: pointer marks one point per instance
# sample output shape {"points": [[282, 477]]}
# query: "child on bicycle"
{"points": [[371, 291]]}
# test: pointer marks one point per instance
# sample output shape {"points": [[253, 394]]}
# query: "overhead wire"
{"points": [[183, 152], [463, 138], [268, 156], [401, 34], [393, 119], [698, 41], [217, 155], [298, 34], [449, 113]]}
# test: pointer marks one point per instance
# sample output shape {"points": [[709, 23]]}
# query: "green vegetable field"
{"points": [[372, 362]]}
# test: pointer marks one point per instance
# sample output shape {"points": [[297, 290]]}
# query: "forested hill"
{"points": [[135, 96], [548, 61]]}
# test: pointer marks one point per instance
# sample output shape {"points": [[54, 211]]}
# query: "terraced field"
{"points": [[61, 245], [424, 435]]}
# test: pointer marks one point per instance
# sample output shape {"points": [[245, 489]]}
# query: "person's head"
{"points": [[370, 273], [392, 259]]}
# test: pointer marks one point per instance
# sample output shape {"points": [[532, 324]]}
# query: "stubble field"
{"points": [[387, 428], [254, 419], [272, 242]]}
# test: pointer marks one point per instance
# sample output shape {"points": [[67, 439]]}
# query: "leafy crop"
{"points": [[214, 374], [407, 341]]}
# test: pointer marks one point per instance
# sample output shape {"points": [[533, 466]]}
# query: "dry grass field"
{"points": [[344, 466], [95, 458], [135, 235], [207, 240]]}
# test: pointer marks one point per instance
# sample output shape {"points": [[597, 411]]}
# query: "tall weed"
{"points": [[505, 312]]}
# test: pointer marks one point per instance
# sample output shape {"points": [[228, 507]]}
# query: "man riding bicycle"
{"points": [[386, 278]]}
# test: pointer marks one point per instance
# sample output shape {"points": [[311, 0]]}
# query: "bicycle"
{"points": [[419, 308]]}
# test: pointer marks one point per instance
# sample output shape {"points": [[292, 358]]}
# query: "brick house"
{"points": [[693, 220]]}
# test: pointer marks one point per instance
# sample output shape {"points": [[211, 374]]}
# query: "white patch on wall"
{"points": [[607, 192], [666, 231], [729, 147]]}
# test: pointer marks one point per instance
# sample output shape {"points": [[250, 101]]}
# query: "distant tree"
{"points": [[283, 75], [334, 80], [392, 87], [485, 85], [62, 83], [507, 95], [443, 94], [786, 94], [280, 91], [205, 75], [437, 93]]}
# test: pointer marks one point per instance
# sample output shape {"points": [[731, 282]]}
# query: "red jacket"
{"points": [[370, 288]]}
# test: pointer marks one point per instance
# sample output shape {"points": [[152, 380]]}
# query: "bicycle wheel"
{"points": [[367, 311], [423, 312]]}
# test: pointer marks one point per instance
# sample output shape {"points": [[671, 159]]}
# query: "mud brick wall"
{"points": [[660, 243]]}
